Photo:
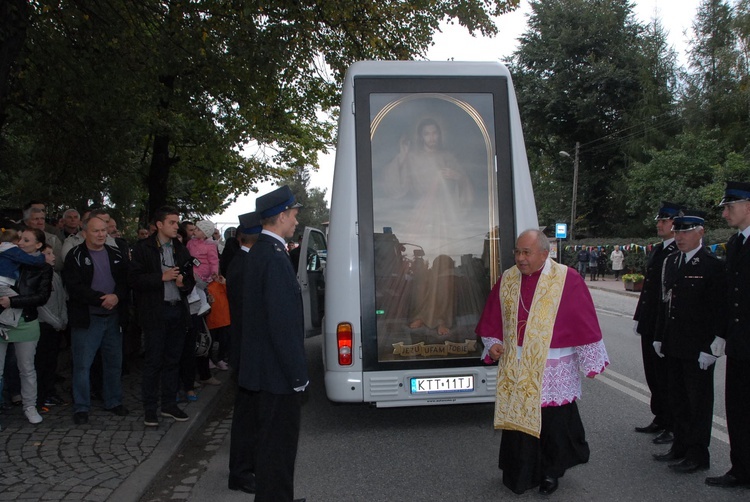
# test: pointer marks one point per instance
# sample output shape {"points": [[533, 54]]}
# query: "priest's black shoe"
{"points": [[668, 457], [725, 481], [665, 437], [688, 467], [548, 485], [650, 428], [242, 485]]}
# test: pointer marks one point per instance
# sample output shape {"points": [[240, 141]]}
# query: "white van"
{"points": [[431, 187]]}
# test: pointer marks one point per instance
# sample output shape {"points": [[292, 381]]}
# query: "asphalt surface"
{"points": [[118, 458]]}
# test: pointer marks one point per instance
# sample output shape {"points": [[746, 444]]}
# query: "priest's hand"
{"points": [[657, 348], [496, 351]]}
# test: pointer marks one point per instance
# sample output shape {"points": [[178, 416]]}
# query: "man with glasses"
{"points": [[539, 323], [649, 302], [736, 210], [690, 322], [161, 276]]}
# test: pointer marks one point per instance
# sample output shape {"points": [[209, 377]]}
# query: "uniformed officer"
{"points": [[272, 366], [241, 463], [694, 296], [736, 204], [655, 367]]}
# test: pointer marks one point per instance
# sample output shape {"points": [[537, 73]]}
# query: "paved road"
{"points": [[357, 453]]}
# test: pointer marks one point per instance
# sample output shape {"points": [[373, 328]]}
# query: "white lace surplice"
{"points": [[561, 383]]}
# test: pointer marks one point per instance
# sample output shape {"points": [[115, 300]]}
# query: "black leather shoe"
{"points": [[242, 485], [548, 485], [665, 437], [725, 481], [688, 467], [667, 457], [80, 417], [650, 428]]}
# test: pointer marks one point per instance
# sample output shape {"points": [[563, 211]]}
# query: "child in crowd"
{"points": [[204, 248], [11, 259]]}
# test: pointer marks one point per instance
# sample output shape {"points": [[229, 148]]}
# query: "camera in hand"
{"points": [[188, 265]]}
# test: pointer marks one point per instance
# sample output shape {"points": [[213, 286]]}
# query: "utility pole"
{"points": [[575, 194], [575, 190]]}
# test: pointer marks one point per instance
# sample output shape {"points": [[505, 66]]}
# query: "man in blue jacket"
{"points": [[272, 366]]}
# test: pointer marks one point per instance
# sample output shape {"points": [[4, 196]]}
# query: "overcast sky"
{"points": [[455, 43]]}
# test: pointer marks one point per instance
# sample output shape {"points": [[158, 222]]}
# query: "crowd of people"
{"points": [[74, 289], [168, 296], [594, 260]]}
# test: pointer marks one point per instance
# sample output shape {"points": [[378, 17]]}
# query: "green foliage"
{"points": [[587, 72], [315, 212], [139, 102]]}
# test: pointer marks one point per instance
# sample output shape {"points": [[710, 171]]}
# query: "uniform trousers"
{"points": [[241, 462], [525, 459], [691, 395], [276, 418], [738, 417], [655, 369]]}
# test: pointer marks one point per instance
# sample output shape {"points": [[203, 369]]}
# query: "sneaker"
{"points": [[222, 365], [151, 420], [33, 416], [211, 381], [16, 400], [174, 412], [80, 417], [211, 365], [118, 410], [54, 400], [191, 396]]}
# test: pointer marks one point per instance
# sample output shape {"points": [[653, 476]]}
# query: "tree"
{"points": [[587, 72], [164, 96], [315, 211], [715, 98]]}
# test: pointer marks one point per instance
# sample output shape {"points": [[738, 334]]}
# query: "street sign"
{"points": [[561, 230]]}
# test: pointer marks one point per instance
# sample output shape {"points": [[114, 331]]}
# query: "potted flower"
{"points": [[633, 282]]}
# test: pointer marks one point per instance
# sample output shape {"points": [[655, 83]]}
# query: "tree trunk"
{"points": [[161, 162]]}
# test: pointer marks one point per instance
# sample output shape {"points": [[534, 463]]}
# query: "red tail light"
{"points": [[344, 339]]}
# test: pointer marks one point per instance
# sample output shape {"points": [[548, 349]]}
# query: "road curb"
{"points": [[140, 480]]}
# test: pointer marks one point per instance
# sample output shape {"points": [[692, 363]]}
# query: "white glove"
{"points": [[300, 389], [635, 329], [706, 360], [717, 347], [657, 348]]}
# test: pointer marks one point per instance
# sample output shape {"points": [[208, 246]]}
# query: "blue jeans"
{"points": [[103, 333], [163, 344]]}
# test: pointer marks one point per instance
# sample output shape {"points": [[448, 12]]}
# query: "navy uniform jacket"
{"points": [[694, 305], [273, 328], [235, 292], [650, 300], [738, 279]]}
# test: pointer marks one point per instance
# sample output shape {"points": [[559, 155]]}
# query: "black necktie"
{"points": [[682, 260], [740, 241]]}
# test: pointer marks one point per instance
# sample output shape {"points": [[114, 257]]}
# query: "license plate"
{"points": [[436, 385]]}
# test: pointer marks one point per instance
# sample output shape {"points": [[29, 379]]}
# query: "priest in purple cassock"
{"points": [[539, 323]]}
